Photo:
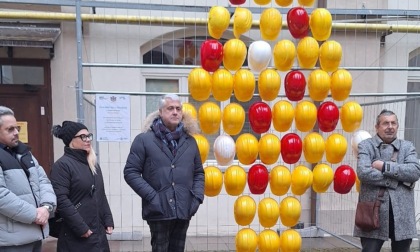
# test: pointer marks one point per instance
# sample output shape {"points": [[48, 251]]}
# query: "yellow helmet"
{"points": [[341, 83], [268, 212], [218, 22], [320, 22], [313, 147], [222, 84], [269, 83], [302, 179], [283, 114], [242, 21], [323, 177], [307, 52], [280, 180], [305, 115], [262, 2], [284, 54], [233, 118], [203, 146], [209, 116], [290, 241], [307, 3], [188, 108], [284, 3], [269, 148], [330, 54], [351, 116], [268, 241], [247, 148], [199, 84], [244, 210], [319, 84], [213, 181], [234, 54], [243, 85], [335, 148], [270, 23], [290, 210], [234, 180], [246, 240]]}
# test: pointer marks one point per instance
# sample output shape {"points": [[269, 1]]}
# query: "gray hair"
{"points": [[5, 111], [385, 112], [172, 97]]}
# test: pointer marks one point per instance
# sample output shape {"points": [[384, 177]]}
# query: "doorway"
{"points": [[25, 87]]}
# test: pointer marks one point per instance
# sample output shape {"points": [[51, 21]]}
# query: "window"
{"points": [[31, 75]]}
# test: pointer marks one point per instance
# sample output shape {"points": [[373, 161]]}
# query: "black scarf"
{"points": [[168, 137]]}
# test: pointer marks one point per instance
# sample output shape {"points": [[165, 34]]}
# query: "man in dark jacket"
{"points": [[384, 161], [26, 196], [164, 168]]}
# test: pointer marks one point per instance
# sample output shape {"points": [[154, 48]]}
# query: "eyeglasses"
{"points": [[12, 129], [84, 137]]}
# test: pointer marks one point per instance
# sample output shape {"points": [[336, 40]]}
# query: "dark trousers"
{"points": [[168, 235], [30, 247], [375, 245]]}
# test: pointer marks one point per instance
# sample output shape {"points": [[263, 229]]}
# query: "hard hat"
{"points": [[307, 3], [246, 240], [259, 114], [224, 149], [258, 179], [233, 118], [298, 22], [268, 212], [305, 115], [302, 179], [280, 180], [244, 210], [321, 24], [351, 116], [222, 85], [243, 85], [319, 84], [209, 116], [269, 148], [262, 2], [199, 84], [269, 83], [247, 148], [290, 210], [234, 54], [323, 177], [357, 184], [284, 3], [330, 54], [213, 181], [313, 147], [242, 21], [188, 108], [211, 55], [307, 52], [341, 83], [234, 180], [328, 116], [237, 2], [284, 54], [268, 241], [283, 114], [295, 85], [270, 23], [291, 148], [218, 22], [259, 55], [344, 179], [203, 146], [335, 148], [290, 241], [356, 138]]}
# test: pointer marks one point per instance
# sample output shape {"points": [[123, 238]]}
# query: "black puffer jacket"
{"points": [[72, 181]]}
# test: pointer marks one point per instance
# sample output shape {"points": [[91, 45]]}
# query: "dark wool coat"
{"points": [[72, 181], [171, 187], [401, 197]]}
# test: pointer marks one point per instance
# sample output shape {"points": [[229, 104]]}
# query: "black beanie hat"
{"points": [[67, 131]]}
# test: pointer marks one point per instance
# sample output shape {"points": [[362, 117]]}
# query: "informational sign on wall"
{"points": [[113, 118], [23, 132]]}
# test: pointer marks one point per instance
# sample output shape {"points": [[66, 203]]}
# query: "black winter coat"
{"points": [[81, 201]]}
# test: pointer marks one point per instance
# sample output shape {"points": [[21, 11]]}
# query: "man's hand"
{"points": [[109, 230], [87, 234], [42, 216], [378, 164]]}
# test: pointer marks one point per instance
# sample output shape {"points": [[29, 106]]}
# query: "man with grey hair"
{"points": [[26, 196], [388, 165], [164, 168]]}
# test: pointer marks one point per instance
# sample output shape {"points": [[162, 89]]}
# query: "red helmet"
{"points": [[295, 85], [344, 179], [291, 148], [260, 117], [298, 22], [258, 178], [211, 55], [328, 116]]}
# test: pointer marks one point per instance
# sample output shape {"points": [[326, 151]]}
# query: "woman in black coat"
{"points": [[78, 184]]}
